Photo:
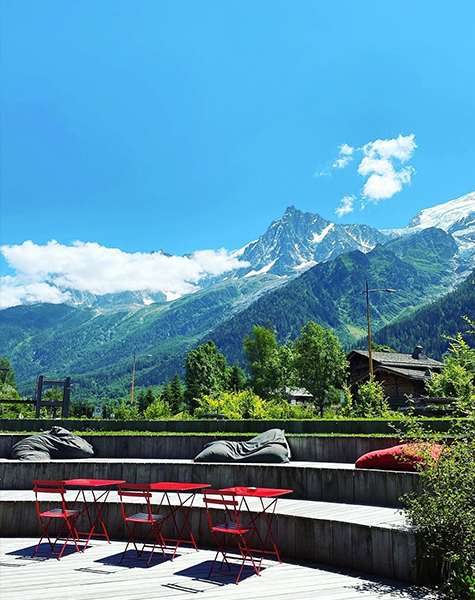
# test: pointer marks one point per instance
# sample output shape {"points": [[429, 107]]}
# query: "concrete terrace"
{"points": [[337, 515]]}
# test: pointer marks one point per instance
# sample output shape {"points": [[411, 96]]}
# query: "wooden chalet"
{"points": [[400, 374]]}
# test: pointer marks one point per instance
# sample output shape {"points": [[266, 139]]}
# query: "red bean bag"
{"points": [[405, 457]]}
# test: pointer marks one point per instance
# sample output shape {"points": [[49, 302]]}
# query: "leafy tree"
{"points": [[8, 391], [287, 365], [264, 362], [176, 395], [236, 379], [320, 364], [456, 379], [205, 373]]}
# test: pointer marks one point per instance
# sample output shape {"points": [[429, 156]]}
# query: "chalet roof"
{"points": [[409, 373], [399, 360], [298, 392], [412, 374]]}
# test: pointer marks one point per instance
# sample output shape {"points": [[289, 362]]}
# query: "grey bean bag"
{"points": [[268, 447], [56, 443]]}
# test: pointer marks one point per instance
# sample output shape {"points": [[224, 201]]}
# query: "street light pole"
{"points": [[370, 353]]}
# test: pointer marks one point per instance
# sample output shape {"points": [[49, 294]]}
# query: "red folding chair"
{"points": [[67, 516], [231, 531], [153, 535]]}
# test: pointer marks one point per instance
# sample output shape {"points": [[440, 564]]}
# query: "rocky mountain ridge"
{"points": [[300, 240]]}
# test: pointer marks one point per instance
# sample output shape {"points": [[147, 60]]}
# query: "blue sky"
{"points": [[191, 125]]}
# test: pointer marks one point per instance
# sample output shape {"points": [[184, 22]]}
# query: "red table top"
{"points": [[257, 492], [169, 486], [92, 482]]}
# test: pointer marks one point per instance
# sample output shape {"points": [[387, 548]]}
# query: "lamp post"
{"points": [[367, 292], [133, 376]]}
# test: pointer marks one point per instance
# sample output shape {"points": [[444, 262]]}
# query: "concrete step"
{"points": [[340, 449], [329, 482]]}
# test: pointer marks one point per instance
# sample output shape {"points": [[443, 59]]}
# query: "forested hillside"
{"points": [[428, 325], [329, 293], [95, 348]]}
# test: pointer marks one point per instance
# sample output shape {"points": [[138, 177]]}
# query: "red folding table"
{"points": [[99, 490], [186, 494], [268, 500]]}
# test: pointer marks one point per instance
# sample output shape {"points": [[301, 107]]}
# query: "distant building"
{"points": [[298, 396], [400, 374]]}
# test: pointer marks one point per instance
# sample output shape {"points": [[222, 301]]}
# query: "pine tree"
{"points": [[145, 399], [236, 379], [176, 393], [166, 395]]}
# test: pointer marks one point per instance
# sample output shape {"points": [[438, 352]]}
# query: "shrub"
{"points": [[371, 401], [157, 410], [125, 413], [232, 405], [456, 377], [444, 515], [247, 405]]}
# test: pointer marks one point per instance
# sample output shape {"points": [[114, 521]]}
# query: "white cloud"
{"points": [[14, 293], [401, 148], [346, 206], [345, 156], [43, 273], [380, 165]]}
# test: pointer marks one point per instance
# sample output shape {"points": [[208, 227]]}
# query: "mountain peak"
{"points": [[300, 240], [445, 215], [292, 211]]}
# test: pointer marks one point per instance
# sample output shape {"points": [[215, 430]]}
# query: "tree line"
{"points": [[315, 361]]}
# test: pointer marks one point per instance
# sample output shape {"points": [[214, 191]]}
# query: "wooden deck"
{"points": [[97, 575]]}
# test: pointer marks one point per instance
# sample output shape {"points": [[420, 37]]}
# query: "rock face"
{"points": [[299, 240]]}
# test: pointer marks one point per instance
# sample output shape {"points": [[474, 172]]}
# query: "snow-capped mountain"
{"points": [[450, 216], [298, 241], [117, 301], [456, 217]]}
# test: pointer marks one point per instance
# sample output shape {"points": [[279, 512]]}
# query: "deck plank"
{"points": [[97, 575]]}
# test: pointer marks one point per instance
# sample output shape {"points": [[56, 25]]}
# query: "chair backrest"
{"points": [[225, 501], [44, 486], [135, 490]]}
